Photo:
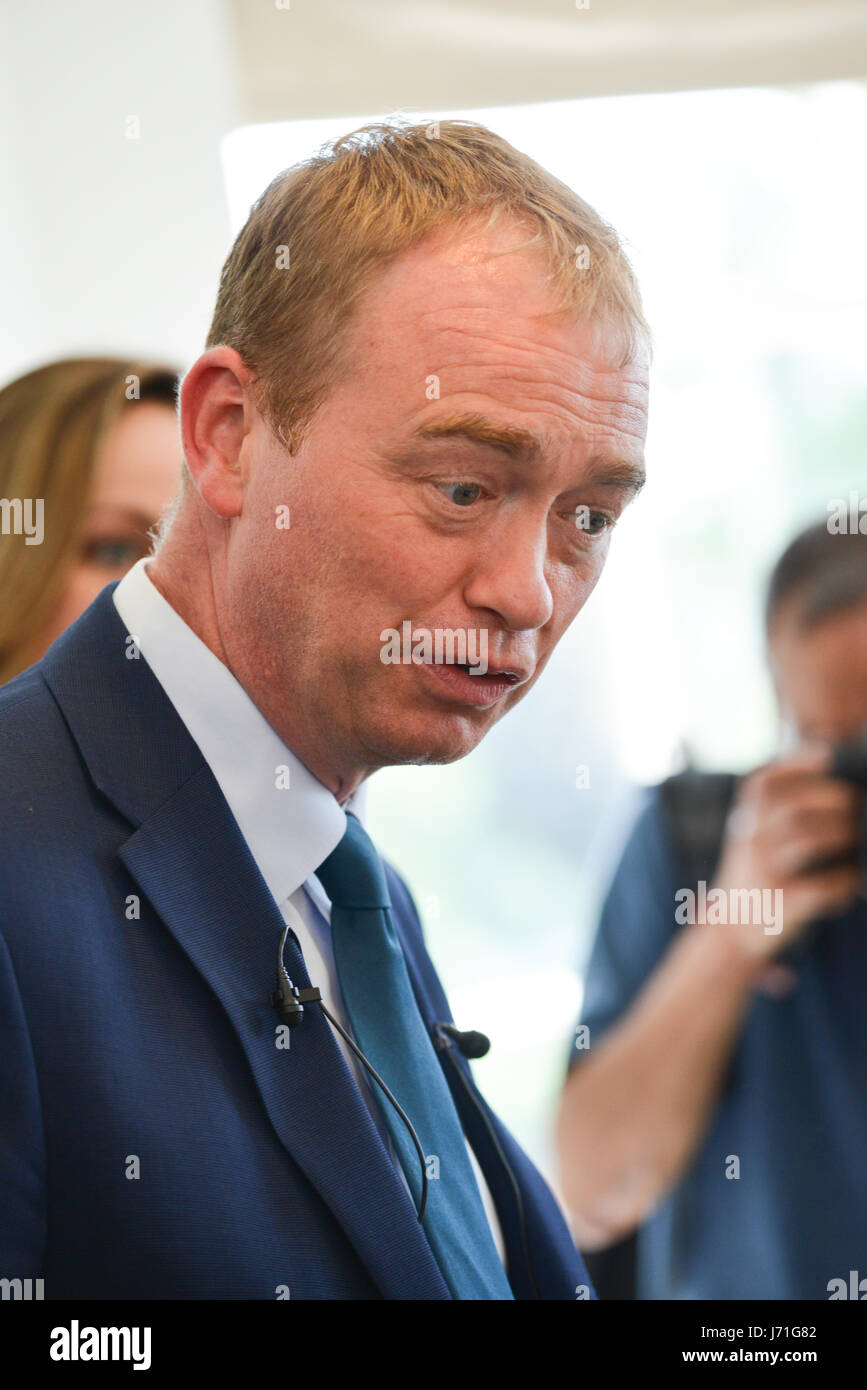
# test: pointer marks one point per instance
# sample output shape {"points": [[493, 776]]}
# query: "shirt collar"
{"points": [[291, 828]]}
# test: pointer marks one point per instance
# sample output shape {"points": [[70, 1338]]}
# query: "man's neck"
{"points": [[194, 601]]}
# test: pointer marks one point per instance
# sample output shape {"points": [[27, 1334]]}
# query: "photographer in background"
{"points": [[721, 1105]]}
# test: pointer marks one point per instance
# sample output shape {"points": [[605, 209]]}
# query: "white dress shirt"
{"points": [[288, 836]]}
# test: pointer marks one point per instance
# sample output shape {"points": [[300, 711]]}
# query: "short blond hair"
{"points": [[317, 236]]}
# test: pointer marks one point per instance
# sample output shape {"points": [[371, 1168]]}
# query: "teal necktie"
{"points": [[388, 1028]]}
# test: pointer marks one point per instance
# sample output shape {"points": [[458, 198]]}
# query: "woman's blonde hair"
{"points": [[52, 423], [319, 233]]}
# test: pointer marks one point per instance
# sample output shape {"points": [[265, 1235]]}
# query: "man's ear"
{"points": [[216, 416]]}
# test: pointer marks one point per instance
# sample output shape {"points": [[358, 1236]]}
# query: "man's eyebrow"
{"points": [[625, 477], [514, 441], [522, 444]]}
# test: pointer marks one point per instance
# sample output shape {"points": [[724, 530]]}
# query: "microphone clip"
{"points": [[287, 998], [470, 1043], [289, 1002]]}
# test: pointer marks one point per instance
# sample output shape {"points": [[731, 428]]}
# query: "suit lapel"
{"points": [[191, 863]]}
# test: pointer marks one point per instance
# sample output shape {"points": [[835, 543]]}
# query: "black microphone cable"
{"points": [[289, 1002]]}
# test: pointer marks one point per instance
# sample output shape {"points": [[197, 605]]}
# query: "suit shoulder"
{"points": [[43, 775], [32, 729]]}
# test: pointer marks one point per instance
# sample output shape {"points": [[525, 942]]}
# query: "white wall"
{"points": [[107, 243]]}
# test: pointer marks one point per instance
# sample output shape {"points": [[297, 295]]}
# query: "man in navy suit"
{"points": [[421, 409]]}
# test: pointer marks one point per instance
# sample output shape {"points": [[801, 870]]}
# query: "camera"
{"points": [[849, 762]]}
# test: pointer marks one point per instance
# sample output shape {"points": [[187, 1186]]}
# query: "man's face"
{"points": [[820, 672], [441, 483]]}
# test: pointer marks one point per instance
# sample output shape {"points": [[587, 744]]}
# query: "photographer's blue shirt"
{"points": [[793, 1110]]}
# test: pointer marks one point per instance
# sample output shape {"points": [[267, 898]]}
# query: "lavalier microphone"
{"points": [[470, 1043]]}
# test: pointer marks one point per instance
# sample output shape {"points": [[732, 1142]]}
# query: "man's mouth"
{"points": [[463, 684], [506, 673]]}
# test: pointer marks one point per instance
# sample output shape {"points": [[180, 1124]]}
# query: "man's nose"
{"points": [[508, 577]]}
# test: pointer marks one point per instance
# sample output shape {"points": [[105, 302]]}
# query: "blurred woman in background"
{"points": [[97, 439]]}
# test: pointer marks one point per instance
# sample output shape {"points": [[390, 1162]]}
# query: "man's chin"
{"points": [[444, 740]]}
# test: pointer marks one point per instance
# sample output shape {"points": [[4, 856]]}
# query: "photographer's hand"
{"points": [[790, 816]]}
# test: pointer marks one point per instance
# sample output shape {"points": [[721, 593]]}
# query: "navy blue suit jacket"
{"points": [[146, 1045]]}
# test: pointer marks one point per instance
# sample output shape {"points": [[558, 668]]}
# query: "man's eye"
{"points": [[593, 523], [462, 494]]}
